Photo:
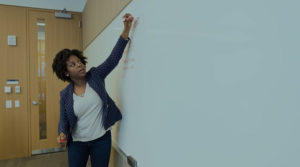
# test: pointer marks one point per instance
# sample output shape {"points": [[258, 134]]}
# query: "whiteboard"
{"points": [[208, 83]]}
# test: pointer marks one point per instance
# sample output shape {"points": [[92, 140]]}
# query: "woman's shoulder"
{"points": [[93, 74], [91, 70], [65, 90]]}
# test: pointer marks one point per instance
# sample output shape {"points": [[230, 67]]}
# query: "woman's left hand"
{"points": [[127, 25]]}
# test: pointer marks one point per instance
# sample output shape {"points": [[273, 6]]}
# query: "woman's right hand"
{"points": [[61, 139]]}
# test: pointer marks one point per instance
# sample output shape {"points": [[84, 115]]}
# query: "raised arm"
{"points": [[112, 61]]}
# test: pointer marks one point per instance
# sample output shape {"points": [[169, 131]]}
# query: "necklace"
{"points": [[81, 95]]}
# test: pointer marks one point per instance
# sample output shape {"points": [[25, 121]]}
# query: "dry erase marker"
{"points": [[63, 140], [130, 18]]}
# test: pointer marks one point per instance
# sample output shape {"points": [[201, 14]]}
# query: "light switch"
{"points": [[7, 89], [8, 104], [17, 103], [18, 89], [11, 40]]}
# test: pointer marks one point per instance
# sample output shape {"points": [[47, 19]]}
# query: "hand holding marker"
{"points": [[63, 140], [127, 18], [127, 21]]}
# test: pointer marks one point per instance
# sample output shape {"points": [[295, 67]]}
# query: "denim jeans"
{"points": [[98, 150]]}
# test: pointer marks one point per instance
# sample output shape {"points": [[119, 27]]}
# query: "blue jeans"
{"points": [[98, 150]]}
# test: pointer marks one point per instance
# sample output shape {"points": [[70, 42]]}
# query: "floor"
{"points": [[44, 160], [59, 159]]}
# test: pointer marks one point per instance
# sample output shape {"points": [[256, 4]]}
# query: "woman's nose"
{"points": [[79, 64]]}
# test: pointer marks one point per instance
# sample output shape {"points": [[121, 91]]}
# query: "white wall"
{"points": [[70, 5], [214, 83]]}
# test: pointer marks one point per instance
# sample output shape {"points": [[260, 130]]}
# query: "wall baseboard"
{"points": [[120, 159]]}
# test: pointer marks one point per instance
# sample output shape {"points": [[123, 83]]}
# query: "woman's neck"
{"points": [[79, 83]]}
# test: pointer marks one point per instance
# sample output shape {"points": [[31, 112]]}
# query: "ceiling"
{"points": [[70, 5]]}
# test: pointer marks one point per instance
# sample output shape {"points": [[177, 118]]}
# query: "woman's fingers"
{"points": [[61, 139], [128, 17], [62, 135], [58, 139]]}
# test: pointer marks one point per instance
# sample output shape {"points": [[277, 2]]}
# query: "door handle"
{"points": [[36, 103]]}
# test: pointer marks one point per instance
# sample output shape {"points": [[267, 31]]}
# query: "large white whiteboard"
{"points": [[211, 83]]}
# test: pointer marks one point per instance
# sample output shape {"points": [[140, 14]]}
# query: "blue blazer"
{"points": [[95, 78]]}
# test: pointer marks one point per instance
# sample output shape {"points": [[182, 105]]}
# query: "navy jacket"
{"points": [[95, 78]]}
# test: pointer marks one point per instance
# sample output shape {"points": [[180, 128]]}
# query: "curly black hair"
{"points": [[59, 65]]}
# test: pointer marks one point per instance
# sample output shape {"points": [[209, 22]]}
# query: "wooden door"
{"points": [[48, 35]]}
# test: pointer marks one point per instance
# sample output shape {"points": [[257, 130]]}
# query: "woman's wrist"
{"points": [[125, 34]]}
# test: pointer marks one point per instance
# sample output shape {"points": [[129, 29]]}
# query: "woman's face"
{"points": [[76, 69]]}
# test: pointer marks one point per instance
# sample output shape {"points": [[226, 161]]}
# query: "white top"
{"points": [[88, 109]]}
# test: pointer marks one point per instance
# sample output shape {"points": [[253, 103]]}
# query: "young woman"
{"points": [[87, 113]]}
